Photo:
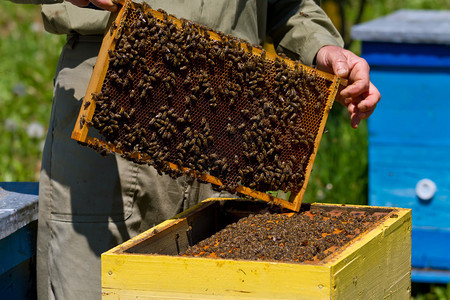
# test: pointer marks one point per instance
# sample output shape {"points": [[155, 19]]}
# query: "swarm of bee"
{"points": [[298, 237], [213, 105]]}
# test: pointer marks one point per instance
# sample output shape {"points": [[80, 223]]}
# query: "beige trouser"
{"points": [[89, 203]]}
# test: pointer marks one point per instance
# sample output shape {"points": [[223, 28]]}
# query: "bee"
{"points": [[263, 54], [224, 167], [82, 120], [230, 129], [317, 105], [86, 104], [242, 126], [303, 14], [195, 89]]}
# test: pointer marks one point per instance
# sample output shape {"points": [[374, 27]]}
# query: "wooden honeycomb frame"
{"points": [[98, 79]]}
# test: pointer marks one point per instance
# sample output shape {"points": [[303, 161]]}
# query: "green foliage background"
{"points": [[28, 58]]}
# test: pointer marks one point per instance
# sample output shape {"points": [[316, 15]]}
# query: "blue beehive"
{"points": [[409, 134], [18, 230]]}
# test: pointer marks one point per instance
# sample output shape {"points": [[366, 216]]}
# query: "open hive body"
{"points": [[373, 263], [188, 100]]}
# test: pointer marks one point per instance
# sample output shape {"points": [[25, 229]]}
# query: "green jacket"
{"points": [[299, 28]]}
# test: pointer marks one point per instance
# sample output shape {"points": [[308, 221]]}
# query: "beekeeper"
{"points": [[89, 204]]}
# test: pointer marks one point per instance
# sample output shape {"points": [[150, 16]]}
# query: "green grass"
{"points": [[339, 174], [425, 291], [376, 8], [28, 60]]}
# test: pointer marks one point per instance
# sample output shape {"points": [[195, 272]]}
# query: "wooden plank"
{"points": [[430, 246], [179, 233], [398, 55], [18, 282], [17, 209], [171, 241], [21, 187], [18, 247], [142, 237], [87, 109], [430, 275], [378, 265], [150, 275], [168, 229]]}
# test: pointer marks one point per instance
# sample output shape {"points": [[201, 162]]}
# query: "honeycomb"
{"points": [[190, 100], [306, 236]]}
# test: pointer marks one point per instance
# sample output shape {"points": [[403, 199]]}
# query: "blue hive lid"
{"points": [[407, 26], [18, 206]]}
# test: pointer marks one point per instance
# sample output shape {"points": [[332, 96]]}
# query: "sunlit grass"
{"points": [[28, 61], [424, 291], [340, 170]]}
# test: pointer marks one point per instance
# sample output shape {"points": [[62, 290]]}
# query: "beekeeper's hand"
{"points": [[360, 96], [104, 4]]}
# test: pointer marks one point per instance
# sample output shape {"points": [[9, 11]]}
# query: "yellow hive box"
{"points": [[374, 265]]}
